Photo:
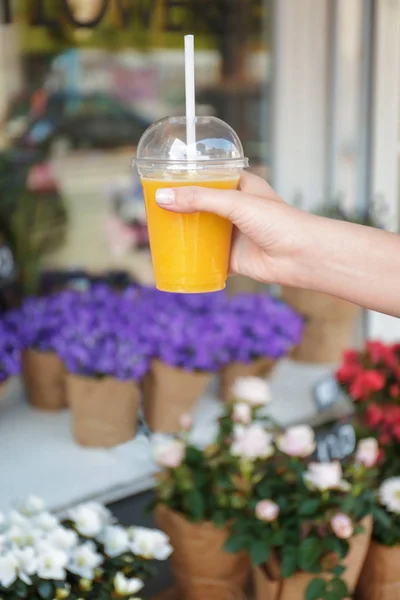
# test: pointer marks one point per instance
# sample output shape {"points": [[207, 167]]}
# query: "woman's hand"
{"points": [[267, 231]]}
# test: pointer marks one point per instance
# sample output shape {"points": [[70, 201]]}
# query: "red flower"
{"points": [[374, 415], [394, 390], [351, 356], [376, 351], [347, 373], [384, 439], [396, 432], [391, 415], [366, 383]]}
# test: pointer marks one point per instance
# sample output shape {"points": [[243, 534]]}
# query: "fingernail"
{"points": [[165, 196]]}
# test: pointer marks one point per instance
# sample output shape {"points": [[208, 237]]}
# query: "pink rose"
{"points": [[168, 452], [186, 422], [252, 390], [342, 526], [367, 452], [297, 441], [266, 510], [241, 413], [325, 476], [252, 442]]}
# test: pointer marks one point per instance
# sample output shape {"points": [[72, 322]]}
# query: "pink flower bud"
{"points": [[342, 526], [186, 422], [266, 510]]}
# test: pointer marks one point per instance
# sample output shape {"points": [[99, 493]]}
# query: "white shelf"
{"points": [[39, 455]]}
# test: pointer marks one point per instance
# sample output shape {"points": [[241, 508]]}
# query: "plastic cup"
{"points": [[190, 252]]}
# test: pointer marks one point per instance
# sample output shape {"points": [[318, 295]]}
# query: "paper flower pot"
{"points": [[380, 577], [262, 367], [169, 392], [44, 378], [203, 570], [329, 325], [104, 411], [269, 587]]}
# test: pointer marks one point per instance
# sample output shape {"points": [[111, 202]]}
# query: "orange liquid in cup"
{"points": [[190, 252]]}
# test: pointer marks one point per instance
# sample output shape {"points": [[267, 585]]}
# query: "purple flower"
{"points": [[10, 351]]}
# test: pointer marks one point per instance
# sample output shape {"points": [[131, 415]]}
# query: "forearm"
{"points": [[357, 263]]}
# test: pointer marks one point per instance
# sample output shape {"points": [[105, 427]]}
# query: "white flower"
{"points": [[168, 452], [8, 569], [84, 560], [32, 506], [51, 564], [116, 540], [252, 442], [241, 413], [389, 494], [367, 452], [325, 476], [124, 586], [342, 526], [252, 390], [46, 521], [297, 441], [62, 538], [267, 510], [87, 519], [16, 518], [27, 563], [149, 543]]}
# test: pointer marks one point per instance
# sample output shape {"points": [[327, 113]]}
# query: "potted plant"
{"points": [[265, 330], [105, 362], [190, 341], [371, 378], [329, 321], [87, 555], [10, 359], [41, 321], [380, 579], [200, 489]]}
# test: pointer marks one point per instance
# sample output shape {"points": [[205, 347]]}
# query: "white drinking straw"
{"points": [[190, 97]]}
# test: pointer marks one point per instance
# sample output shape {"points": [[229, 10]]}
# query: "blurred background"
{"points": [[312, 87]]}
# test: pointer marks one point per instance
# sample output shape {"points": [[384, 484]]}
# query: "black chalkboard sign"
{"points": [[336, 442], [327, 392]]}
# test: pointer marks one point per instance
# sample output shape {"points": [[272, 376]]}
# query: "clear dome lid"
{"points": [[163, 145]]}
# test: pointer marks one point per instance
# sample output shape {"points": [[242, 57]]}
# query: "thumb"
{"points": [[235, 206]]}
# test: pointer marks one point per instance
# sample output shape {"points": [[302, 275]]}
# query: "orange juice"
{"points": [[190, 252]]}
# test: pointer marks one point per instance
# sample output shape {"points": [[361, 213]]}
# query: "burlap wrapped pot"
{"points": [[203, 570], [169, 392], [261, 367], [329, 325], [104, 410], [268, 586], [44, 378], [380, 577]]}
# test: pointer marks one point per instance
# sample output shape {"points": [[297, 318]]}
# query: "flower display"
{"points": [[82, 557], [103, 336], [264, 485], [10, 348], [265, 327]]}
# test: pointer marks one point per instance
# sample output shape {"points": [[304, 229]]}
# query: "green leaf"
{"points": [[338, 589], [235, 543], [309, 553], [194, 456], [45, 590], [195, 504], [382, 517], [316, 589], [338, 570], [219, 518], [259, 552], [289, 562], [309, 507]]}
